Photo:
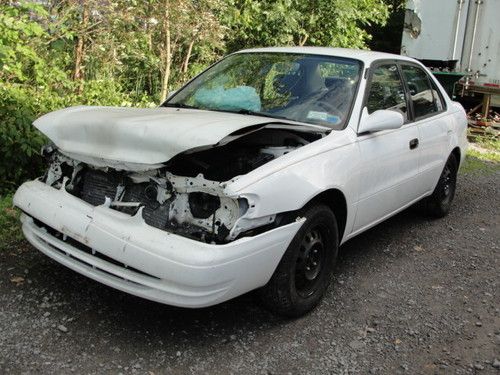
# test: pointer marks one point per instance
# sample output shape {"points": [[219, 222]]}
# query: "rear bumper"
{"points": [[125, 253]]}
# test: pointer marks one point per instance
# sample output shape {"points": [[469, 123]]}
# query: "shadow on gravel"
{"points": [[94, 305], [385, 232]]}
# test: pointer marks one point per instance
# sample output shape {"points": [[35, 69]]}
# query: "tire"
{"points": [[303, 274], [438, 204]]}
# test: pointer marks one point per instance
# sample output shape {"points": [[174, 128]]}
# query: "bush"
{"points": [[10, 228], [20, 105], [19, 141]]}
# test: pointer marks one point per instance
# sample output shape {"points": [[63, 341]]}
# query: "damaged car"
{"points": [[249, 177]]}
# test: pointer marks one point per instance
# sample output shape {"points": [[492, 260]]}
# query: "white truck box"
{"points": [[457, 35]]}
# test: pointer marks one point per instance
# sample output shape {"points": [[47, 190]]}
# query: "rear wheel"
{"points": [[303, 274], [439, 203]]}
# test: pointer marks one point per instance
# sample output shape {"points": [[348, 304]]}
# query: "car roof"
{"points": [[364, 55]]}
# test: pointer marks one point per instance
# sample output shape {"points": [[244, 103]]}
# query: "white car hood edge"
{"points": [[135, 138]]}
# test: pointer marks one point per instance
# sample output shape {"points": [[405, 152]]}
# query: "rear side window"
{"points": [[386, 90], [424, 95]]}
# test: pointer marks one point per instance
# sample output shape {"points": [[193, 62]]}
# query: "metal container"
{"points": [[459, 36]]}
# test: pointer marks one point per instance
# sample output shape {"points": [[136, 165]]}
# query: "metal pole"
{"points": [[474, 29], [457, 27]]}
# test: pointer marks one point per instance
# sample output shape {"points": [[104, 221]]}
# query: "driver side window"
{"points": [[387, 90], [424, 97]]}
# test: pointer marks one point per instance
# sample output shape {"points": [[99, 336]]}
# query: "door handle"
{"points": [[413, 143]]}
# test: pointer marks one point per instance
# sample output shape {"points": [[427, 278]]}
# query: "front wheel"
{"points": [[439, 203], [303, 274]]}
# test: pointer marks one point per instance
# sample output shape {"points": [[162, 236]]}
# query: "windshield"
{"points": [[299, 87]]}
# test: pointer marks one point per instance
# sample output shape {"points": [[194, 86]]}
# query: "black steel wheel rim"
{"points": [[310, 262], [447, 183]]}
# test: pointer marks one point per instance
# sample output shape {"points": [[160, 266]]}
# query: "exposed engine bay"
{"points": [[185, 196]]}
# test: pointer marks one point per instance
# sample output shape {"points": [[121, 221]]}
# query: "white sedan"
{"points": [[249, 177]]}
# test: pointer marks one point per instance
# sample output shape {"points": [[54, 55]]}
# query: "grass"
{"points": [[483, 155], [10, 227], [476, 162], [490, 143]]}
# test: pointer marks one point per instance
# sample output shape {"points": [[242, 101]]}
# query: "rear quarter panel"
{"points": [[459, 137]]}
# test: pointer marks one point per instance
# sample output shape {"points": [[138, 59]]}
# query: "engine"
{"points": [[186, 196]]}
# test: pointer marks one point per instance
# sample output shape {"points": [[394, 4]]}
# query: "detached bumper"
{"points": [[125, 253]]}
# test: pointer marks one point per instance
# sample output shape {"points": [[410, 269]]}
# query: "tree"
{"points": [[183, 24], [174, 31], [387, 38], [23, 58], [337, 23], [58, 53]]}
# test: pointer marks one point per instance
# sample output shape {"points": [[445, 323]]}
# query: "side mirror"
{"points": [[383, 119]]}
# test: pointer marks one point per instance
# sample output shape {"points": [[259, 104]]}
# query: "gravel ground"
{"points": [[409, 296]]}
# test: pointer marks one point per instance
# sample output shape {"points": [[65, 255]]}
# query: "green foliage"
{"points": [[19, 141], [335, 23], [261, 23], [481, 162], [20, 105], [488, 142], [483, 155], [23, 56], [18, 59], [10, 228], [387, 38]]}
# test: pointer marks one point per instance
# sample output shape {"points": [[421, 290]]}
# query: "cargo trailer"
{"points": [[460, 41]]}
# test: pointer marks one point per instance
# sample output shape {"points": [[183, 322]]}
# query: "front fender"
{"points": [[290, 186]]}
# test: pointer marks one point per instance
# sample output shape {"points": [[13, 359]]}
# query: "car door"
{"points": [[429, 113], [389, 158]]}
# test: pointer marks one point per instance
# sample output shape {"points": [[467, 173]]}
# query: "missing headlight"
{"points": [[203, 205]]}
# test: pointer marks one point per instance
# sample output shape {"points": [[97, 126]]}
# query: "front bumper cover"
{"points": [[125, 253]]}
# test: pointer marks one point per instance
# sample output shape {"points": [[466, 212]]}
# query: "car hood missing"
{"points": [[139, 136]]}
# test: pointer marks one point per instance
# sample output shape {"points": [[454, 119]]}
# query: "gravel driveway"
{"points": [[410, 296]]}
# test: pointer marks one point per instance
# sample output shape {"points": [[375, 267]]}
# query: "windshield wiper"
{"points": [[242, 111], [179, 105], [262, 114]]}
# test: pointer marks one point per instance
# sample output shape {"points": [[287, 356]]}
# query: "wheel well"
{"points": [[334, 199], [456, 154]]}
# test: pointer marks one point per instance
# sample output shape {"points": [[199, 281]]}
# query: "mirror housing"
{"points": [[383, 119]]}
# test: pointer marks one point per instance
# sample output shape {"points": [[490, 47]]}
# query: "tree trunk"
{"points": [[185, 64], [78, 73], [303, 40], [167, 54]]}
